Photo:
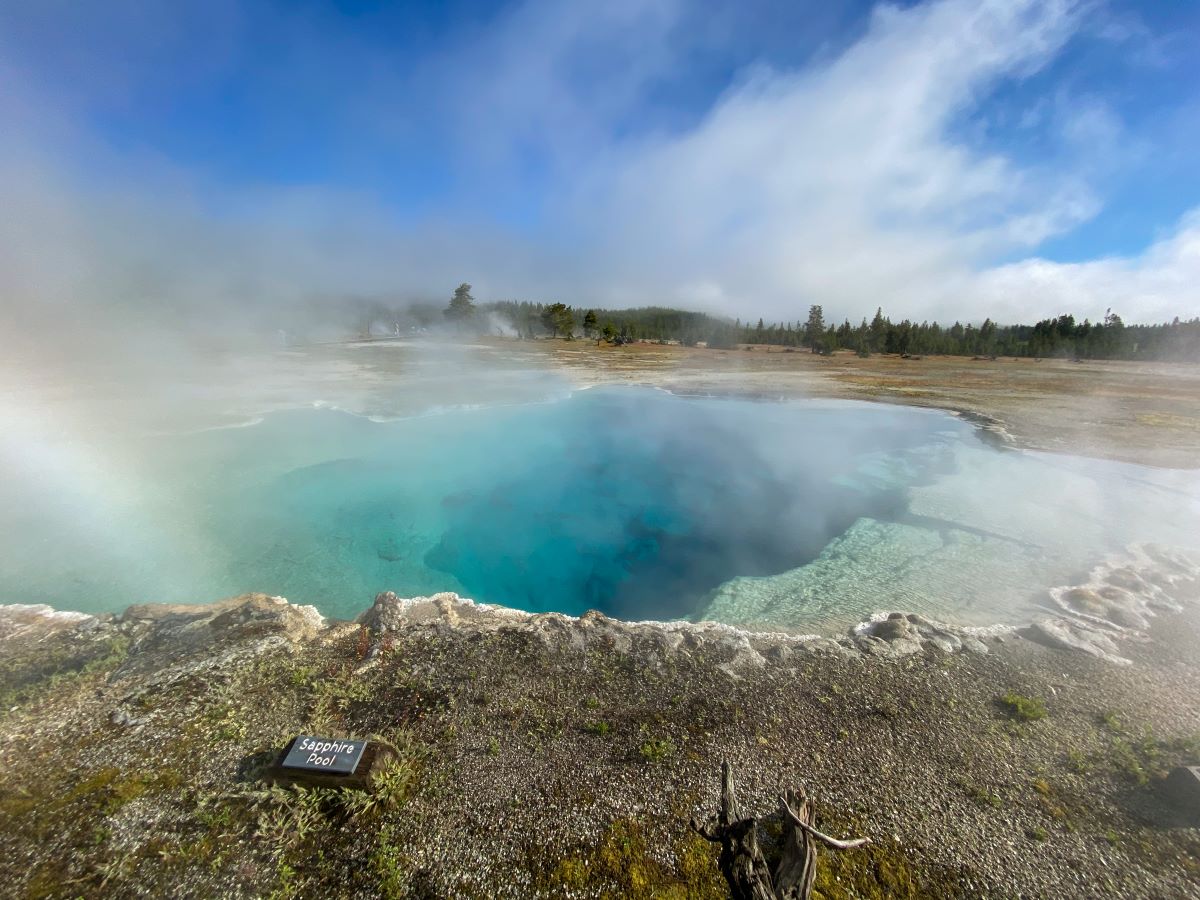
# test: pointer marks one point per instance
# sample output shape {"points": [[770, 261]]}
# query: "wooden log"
{"points": [[797, 869], [741, 860]]}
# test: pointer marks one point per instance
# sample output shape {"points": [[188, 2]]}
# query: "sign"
{"points": [[1182, 787], [331, 756]]}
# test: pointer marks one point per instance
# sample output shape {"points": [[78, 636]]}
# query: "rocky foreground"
{"points": [[548, 756]]}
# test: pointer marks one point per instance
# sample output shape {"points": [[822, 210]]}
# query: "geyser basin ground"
{"points": [[807, 514]]}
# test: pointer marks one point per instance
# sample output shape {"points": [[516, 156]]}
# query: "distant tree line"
{"points": [[1064, 337], [651, 323], [1110, 338]]}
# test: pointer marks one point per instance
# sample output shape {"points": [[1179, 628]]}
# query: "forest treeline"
{"points": [[1110, 338], [1063, 336]]}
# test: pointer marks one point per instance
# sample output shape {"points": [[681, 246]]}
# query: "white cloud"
{"points": [[842, 183], [1154, 286], [852, 182], [848, 184]]}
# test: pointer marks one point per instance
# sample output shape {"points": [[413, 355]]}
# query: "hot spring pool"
{"points": [[644, 505]]}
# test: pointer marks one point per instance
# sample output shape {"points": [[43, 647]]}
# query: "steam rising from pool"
{"points": [[635, 502]]}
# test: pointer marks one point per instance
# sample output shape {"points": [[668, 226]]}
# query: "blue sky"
{"points": [[946, 159]]}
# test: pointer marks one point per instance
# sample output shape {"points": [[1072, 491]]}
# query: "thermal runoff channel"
{"points": [[632, 501]]}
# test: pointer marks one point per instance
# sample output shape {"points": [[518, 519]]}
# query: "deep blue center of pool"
{"points": [[632, 502], [640, 520]]}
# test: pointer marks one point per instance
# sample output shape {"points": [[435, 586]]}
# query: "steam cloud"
{"points": [[852, 180]]}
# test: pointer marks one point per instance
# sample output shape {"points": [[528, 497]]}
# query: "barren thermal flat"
{"points": [[1138, 412]]}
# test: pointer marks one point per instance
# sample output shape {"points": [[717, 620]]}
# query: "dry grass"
{"points": [[1147, 413]]}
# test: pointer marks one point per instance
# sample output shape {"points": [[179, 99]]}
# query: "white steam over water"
{"points": [[983, 543], [330, 473]]}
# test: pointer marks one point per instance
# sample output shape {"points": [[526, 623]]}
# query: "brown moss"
{"points": [[881, 872], [622, 865], [45, 881], [878, 871]]}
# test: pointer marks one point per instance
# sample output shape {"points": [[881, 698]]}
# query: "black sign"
{"points": [[329, 755]]}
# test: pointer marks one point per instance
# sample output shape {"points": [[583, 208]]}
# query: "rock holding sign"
{"points": [[313, 761], [312, 754], [1182, 790]]}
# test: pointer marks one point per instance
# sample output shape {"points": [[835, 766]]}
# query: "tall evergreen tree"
{"points": [[462, 305], [566, 322], [554, 317], [878, 331], [814, 328]]}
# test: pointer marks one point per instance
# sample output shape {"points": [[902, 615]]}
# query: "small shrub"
{"points": [[301, 676], [982, 796], [1126, 761], [657, 750], [1140, 758], [888, 708], [392, 783], [1022, 709], [390, 866], [286, 818], [1078, 762]]}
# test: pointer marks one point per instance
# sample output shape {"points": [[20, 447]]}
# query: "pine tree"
{"points": [[814, 328], [555, 317], [462, 306], [879, 327]]}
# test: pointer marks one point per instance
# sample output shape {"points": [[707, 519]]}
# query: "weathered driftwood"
{"points": [[742, 861]]}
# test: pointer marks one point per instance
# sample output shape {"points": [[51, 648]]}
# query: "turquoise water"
{"points": [[632, 501]]}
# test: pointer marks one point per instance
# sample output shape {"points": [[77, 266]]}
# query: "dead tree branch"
{"points": [[825, 839], [742, 861]]}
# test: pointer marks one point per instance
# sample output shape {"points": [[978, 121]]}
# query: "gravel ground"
{"points": [[547, 756]]}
